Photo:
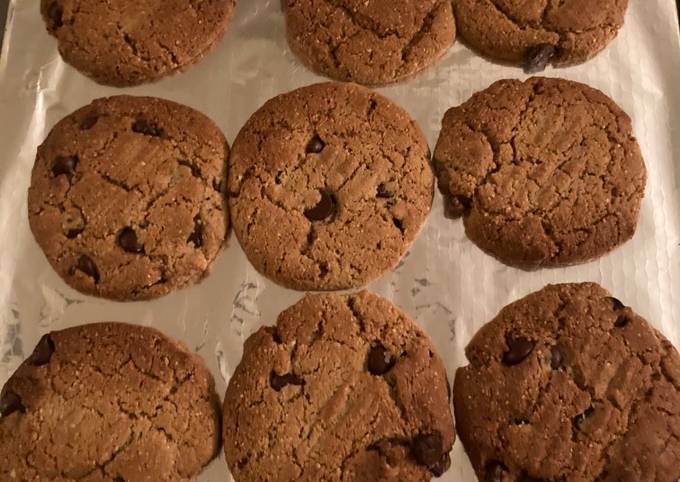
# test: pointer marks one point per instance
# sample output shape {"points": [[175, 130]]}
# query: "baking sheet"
{"points": [[448, 285]]}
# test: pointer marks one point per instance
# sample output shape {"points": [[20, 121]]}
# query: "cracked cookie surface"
{"points": [[512, 30], [545, 173], [127, 197], [343, 388], [329, 185], [108, 402], [570, 384], [369, 42], [126, 43]]}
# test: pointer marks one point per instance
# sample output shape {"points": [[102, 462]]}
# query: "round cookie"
{"points": [[343, 388], [370, 43], [108, 402], [536, 33], [545, 173], [329, 185], [130, 42], [569, 384], [127, 197]]}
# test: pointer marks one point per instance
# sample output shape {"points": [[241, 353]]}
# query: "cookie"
{"points": [[536, 33], [570, 384], [329, 186], [369, 42], [127, 197], [545, 173], [343, 388], [108, 402], [130, 42]]}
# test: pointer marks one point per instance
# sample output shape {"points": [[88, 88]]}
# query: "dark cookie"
{"points": [[131, 42], [343, 388], [329, 185], [546, 172], [581, 398], [126, 198], [108, 402], [374, 42], [536, 33]]}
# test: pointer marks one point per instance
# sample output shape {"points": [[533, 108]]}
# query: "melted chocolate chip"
{"points": [[323, 210], [43, 351], [87, 266], [65, 165], [196, 237], [89, 121], [555, 358], [10, 403], [277, 382], [538, 57], [580, 419], [379, 360], [383, 192], [127, 239], [621, 321], [315, 145], [494, 471], [518, 349], [617, 305], [399, 224], [55, 12], [143, 126], [428, 449]]}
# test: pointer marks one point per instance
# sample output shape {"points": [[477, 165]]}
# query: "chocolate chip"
{"points": [[379, 360], [127, 239], [399, 224], [43, 351], [74, 232], [89, 121], [315, 145], [324, 209], [55, 12], [383, 192], [464, 202], [277, 382], [196, 237], [580, 419], [555, 358], [428, 449], [617, 305], [65, 165], [518, 349], [538, 57], [143, 126], [10, 403], [621, 321], [494, 471], [87, 266]]}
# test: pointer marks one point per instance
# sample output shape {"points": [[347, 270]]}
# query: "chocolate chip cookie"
{"points": [[343, 388], [570, 384], [108, 402], [544, 172], [371, 43], [127, 197], [329, 185], [127, 42], [537, 33]]}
